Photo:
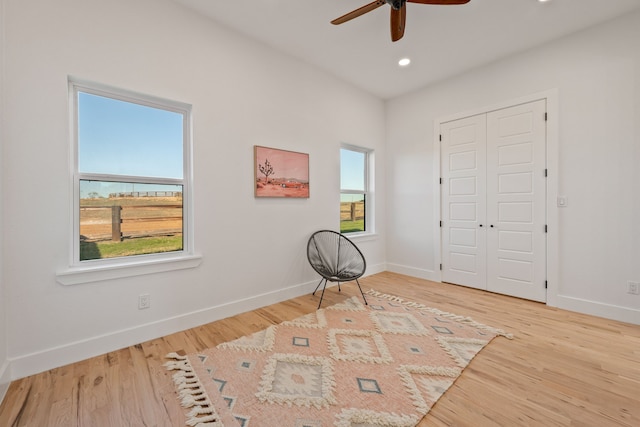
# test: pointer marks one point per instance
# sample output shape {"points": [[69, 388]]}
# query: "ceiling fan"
{"points": [[398, 13]]}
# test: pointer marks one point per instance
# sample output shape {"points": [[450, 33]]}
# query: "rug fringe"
{"points": [[192, 393], [461, 319], [351, 416], [208, 421]]}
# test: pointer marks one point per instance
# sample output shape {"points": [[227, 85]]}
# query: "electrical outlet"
{"points": [[144, 301], [633, 288]]}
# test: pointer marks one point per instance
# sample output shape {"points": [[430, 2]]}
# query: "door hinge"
{"points": [[440, 267], [440, 137], [440, 224], [440, 181], [546, 173], [546, 228], [546, 284], [546, 117]]}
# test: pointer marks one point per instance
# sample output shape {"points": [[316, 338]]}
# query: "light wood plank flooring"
{"points": [[561, 369]]}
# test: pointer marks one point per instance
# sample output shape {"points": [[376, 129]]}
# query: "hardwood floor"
{"points": [[561, 369]]}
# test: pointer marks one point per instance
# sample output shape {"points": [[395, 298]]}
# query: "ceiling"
{"points": [[440, 40]]}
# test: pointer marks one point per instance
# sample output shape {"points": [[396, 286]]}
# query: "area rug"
{"points": [[347, 365]]}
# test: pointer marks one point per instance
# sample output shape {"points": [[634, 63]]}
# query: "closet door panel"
{"points": [[463, 166], [516, 198]]}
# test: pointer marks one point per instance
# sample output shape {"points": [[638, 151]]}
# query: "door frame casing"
{"points": [[552, 137]]}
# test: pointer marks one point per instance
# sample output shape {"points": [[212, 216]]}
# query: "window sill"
{"points": [[362, 237], [89, 274]]}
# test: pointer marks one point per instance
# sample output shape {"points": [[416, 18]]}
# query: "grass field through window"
{"points": [[352, 215], [352, 226], [129, 247]]}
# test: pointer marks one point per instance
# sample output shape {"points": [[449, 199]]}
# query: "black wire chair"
{"points": [[336, 259]]}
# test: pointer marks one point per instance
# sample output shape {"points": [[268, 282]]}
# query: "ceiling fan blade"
{"points": [[398, 19], [439, 2], [360, 11]]}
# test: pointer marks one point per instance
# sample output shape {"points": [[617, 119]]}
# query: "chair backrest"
{"points": [[335, 257]]}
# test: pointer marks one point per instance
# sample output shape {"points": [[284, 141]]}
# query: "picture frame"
{"points": [[280, 173]]}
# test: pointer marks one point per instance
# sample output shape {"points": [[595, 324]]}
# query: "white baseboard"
{"points": [[608, 311], [375, 269], [5, 379], [593, 308], [413, 272], [41, 361]]}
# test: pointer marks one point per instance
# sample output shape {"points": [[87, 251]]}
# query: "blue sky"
{"points": [[351, 170], [117, 137], [122, 138]]}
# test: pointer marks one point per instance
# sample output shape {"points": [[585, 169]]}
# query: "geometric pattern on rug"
{"points": [[260, 341], [398, 323], [346, 365], [301, 380], [315, 320]]}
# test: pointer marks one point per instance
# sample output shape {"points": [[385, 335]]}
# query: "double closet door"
{"points": [[494, 201]]}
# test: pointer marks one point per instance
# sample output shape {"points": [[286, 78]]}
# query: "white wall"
{"points": [[4, 363], [243, 93], [597, 77]]}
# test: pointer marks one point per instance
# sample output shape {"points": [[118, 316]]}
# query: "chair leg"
{"points": [[320, 282], [362, 293], [339, 290], [322, 296]]}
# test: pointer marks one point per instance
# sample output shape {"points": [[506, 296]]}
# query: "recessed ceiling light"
{"points": [[404, 62]]}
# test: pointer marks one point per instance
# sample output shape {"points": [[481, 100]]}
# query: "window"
{"points": [[131, 163], [354, 189]]}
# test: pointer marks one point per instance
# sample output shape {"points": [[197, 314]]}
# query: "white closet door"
{"points": [[516, 201], [463, 165]]}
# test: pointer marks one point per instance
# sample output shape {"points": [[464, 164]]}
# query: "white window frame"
{"points": [[368, 189], [111, 268]]}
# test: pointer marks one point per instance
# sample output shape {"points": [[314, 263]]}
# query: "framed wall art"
{"points": [[280, 173]]}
